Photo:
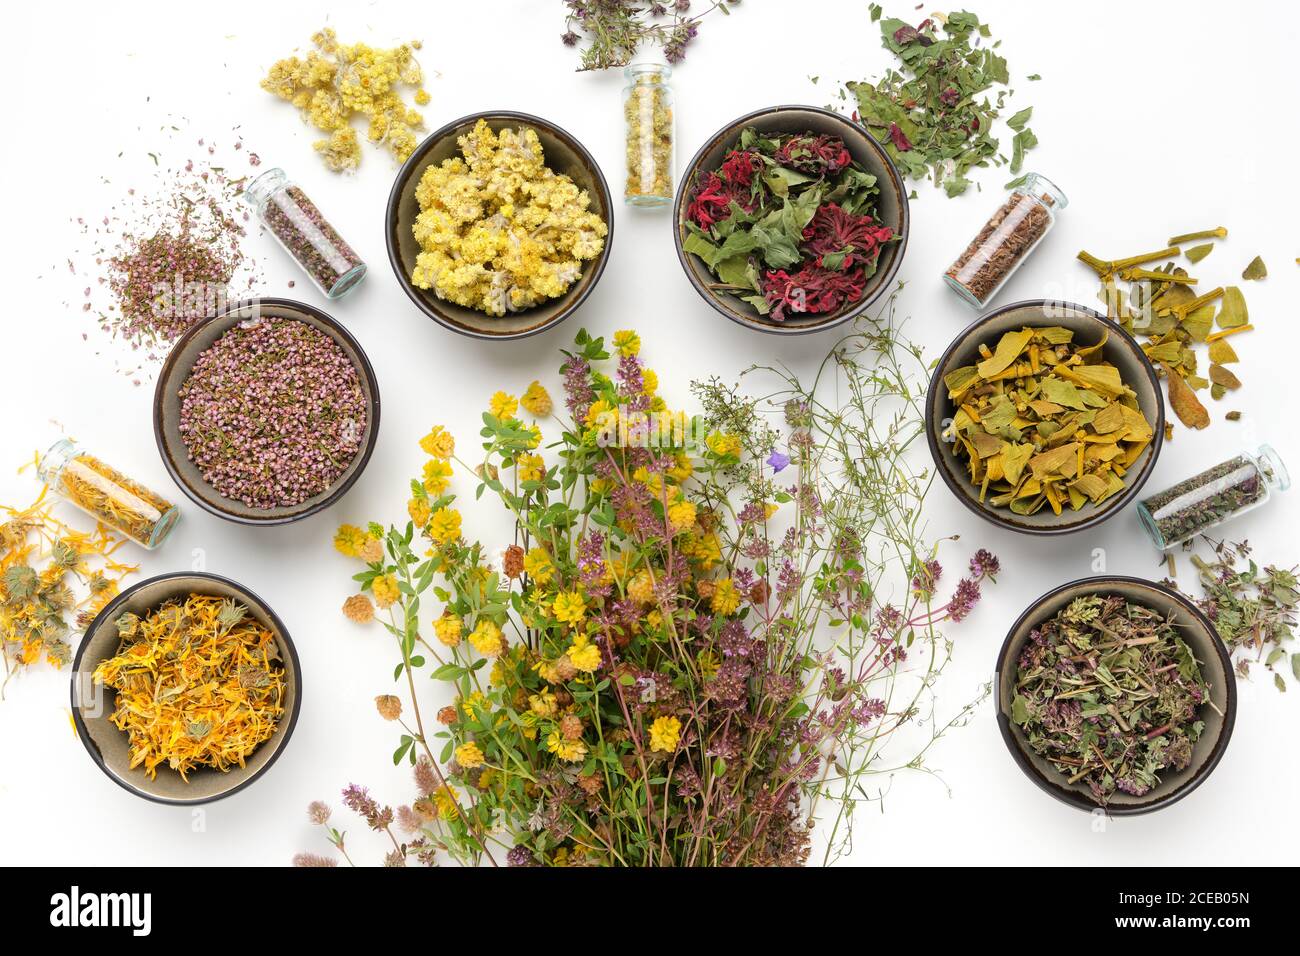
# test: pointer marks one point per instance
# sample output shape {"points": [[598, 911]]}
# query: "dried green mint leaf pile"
{"points": [[933, 115]]}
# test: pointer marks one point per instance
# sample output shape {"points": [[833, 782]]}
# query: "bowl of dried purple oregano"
{"points": [[1115, 693], [791, 219], [266, 413]]}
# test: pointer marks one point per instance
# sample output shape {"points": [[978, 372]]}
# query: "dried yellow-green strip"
{"points": [[1233, 313], [1197, 253], [1043, 422]]}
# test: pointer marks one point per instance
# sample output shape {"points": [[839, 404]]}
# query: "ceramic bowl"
{"points": [[564, 154], [891, 209], [92, 705], [1199, 635], [1121, 350], [167, 410]]}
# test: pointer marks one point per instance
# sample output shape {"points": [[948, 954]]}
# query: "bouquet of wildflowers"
{"points": [[689, 648]]}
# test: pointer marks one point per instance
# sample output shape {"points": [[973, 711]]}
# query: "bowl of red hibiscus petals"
{"points": [[792, 219]]}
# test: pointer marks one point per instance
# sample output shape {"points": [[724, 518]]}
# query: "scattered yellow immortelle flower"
{"points": [[444, 526], [537, 400], [469, 756], [664, 733], [569, 750], [358, 608], [439, 443], [726, 598], [642, 587], [487, 638], [543, 703], [503, 405], [584, 655], [337, 81], [569, 607], [649, 381], [449, 629]]}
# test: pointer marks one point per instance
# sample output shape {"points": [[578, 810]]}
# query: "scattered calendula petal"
{"points": [[1256, 269]]}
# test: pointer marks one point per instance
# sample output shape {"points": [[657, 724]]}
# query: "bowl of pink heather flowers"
{"points": [[792, 219]]}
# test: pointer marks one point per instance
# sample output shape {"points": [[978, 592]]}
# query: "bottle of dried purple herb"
{"points": [[1216, 495], [305, 234]]}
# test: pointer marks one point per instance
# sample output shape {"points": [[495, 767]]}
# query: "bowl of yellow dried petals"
{"points": [[499, 225], [186, 688], [1044, 417]]}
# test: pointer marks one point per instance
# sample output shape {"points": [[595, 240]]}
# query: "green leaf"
{"points": [[1019, 710]]}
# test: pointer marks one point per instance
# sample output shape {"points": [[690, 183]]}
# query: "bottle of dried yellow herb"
{"points": [[648, 110], [106, 494]]}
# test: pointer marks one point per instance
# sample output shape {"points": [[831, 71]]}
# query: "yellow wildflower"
{"points": [[538, 566], [503, 406], [569, 607], [469, 756], [597, 410], [569, 750], [542, 703], [726, 598], [649, 381], [708, 663], [359, 609], [584, 655], [534, 436], [642, 587], [681, 469], [349, 540], [445, 800], [537, 400], [682, 516], [530, 467], [439, 443], [627, 342], [385, 590], [436, 476], [444, 526], [664, 733], [487, 638], [723, 445], [449, 628], [418, 509]]}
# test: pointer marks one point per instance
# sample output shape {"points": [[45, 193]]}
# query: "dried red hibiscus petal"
{"points": [[711, 203], [740, 166], [814, 155], [832, 230], [899, 137], [811, 290]]}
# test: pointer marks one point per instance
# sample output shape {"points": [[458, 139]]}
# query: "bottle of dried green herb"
{"points": [[648, 111], [1216, 495], [305, 233]]}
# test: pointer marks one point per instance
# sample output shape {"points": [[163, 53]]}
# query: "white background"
{"points": [[1154, 118]]}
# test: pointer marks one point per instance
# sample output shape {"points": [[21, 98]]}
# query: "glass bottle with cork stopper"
{"points": [[1006, 240], [305, 233], [1215, 496], [106, 494], [648, 111]]}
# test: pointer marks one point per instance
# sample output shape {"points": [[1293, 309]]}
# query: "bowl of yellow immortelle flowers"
{"points": [[499, 225], [684, 653]]}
